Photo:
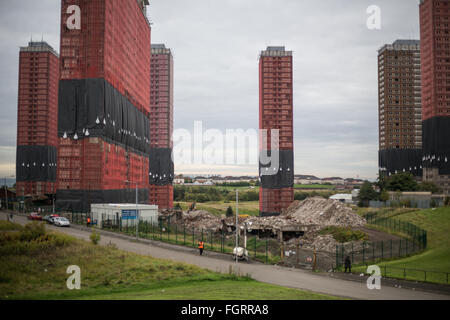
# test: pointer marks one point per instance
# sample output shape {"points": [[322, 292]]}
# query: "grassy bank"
{"points": [[437, 255], [38, 271]]}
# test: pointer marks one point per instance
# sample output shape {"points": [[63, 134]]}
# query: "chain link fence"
{"points": [[266, 250], [366, 251], [405, 229]]}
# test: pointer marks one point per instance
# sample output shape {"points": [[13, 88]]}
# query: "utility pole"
{"points": [[6, 195], [137, 213], [237, 222]]}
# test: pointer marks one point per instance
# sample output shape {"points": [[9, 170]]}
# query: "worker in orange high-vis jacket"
{"points": [[88, 222], [201, 246]]}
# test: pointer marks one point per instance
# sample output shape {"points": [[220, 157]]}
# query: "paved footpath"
{"points": [[291, 278]]}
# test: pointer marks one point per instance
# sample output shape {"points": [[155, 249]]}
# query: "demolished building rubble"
{"points": [[308, 217]]}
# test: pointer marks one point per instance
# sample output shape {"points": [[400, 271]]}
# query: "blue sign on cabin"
{"points": [[129, 214]]}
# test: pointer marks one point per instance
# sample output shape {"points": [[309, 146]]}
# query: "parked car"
{"points": [[35, 217], [46, 218], [61, 222], [51, 220]]}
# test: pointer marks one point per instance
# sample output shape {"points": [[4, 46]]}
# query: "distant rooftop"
{"points": [[38, 46], [159, 48], [401, 44], [406, 42], [278, 51]]}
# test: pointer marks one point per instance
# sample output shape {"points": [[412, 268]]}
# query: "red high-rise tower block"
{"points": [[276, 112], [37, 136], [435, 66], [161, 126], [104, 105]]}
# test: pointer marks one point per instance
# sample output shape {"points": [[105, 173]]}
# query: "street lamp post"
{"points": [[137, 210], [6, 192]]}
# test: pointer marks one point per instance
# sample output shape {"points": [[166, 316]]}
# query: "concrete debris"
{"points": [[310, 216], [312, 211], [323, 212], [200, 219]]}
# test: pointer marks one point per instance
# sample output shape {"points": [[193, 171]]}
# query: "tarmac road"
{"points": [[291, 278]]}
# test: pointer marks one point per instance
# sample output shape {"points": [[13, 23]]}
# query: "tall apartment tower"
{"points": [[37, 137], [161, 171], [276, 167], [104, 103], [400, 108], [435, 53]]}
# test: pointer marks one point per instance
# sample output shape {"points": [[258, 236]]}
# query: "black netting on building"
{"points": [[436, 144], [277, 176], [392, 161], [36, 163], [94, 108], [161, 171]]}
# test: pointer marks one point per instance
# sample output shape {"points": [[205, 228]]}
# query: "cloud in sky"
{"points": [[216, 46]]}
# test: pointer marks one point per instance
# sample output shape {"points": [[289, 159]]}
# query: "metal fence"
{"points": [[306, 258], [415, 274], [266, 250], [411, 231], [364, 252]]}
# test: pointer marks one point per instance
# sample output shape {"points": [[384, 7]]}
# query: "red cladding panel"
{"points": [[113, 43], [37, 116], [161, 101], [276, 100], [93, 164], [275, 200], [162, 196], [435, 54]]}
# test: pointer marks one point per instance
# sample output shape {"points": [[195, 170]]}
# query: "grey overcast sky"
{"points": [[216, 44]]}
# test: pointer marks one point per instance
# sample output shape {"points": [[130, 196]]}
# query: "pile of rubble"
{"points": [[200, 219], [314, 241], [312, 211], [323, 212]]}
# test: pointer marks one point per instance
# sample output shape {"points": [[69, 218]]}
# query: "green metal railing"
{"points": [[266, 250]]}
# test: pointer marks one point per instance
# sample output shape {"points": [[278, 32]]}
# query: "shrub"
{"points": [[32, 231], [342, 235], [7, 226], [229, 212], [95, 237]]}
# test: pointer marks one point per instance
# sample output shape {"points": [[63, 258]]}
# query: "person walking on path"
{"points": [[348, 264], [88, 222], [201, 246]]}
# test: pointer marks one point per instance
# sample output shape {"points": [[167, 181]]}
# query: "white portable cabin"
{"points": [[125, 212]]}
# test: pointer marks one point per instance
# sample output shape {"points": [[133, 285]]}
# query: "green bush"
{"points": [[229, 212], [7, 226], [32, 231], [343, 235], [95, 237]]}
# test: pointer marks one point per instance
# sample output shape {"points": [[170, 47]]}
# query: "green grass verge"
{"points": [[437, 255], [38, 271], [6, 225]]}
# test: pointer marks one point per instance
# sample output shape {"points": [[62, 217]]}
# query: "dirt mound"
{"points": [[323, 212]]}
